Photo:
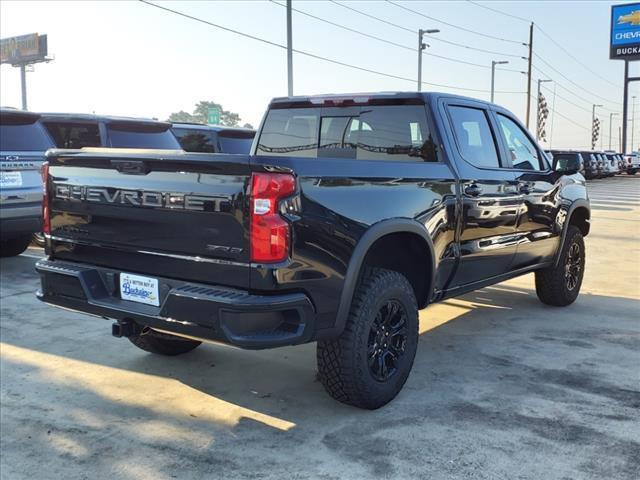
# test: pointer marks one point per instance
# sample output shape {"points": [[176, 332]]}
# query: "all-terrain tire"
{"points": [[344, 367], [15, 246], [553, 284], [162, 343]]}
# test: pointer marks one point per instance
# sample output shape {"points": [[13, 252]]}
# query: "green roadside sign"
{"points": [[213, 115]]}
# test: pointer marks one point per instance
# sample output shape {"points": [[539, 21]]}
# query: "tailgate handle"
{"points": [[131, 167]]}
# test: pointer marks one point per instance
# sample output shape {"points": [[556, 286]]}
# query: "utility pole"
{"points": [[529, 73], [23, 84], [540, 82], [493, 75], [620, 149], [553, 116], [421, 47], [633, 119], [593, 124], [289, 52], [610, 125]]}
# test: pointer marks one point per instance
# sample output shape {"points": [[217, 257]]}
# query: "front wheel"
{"points": [[162, 343], [368, 364], [560, 285]]}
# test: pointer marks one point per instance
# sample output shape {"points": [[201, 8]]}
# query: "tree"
{"points": [[227, 118], [201, 113], [182, 117], [247, 125]]}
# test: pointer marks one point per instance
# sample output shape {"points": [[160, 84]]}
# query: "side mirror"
{"points": [[568, 166]]}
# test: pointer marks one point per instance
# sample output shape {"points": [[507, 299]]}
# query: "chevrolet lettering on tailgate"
{"points": [[143, 198]]}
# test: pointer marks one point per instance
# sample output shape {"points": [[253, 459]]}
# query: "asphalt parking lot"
{"points": [[502, 388]]}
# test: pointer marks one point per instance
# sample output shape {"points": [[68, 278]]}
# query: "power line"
{"points": [[563, 116], [575, 59], [477, 4], [557, 44], [568, 90], [517, 42], [399, 45], [436, 39], [312, 55], [571, 81]]}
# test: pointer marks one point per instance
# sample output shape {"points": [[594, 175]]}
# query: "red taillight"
{"points": [[269, 231], [46, 221]]}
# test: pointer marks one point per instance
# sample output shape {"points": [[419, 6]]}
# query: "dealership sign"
{"points": [[24, 49], [625, 32]]}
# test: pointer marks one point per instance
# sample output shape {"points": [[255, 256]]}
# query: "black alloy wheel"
{"points": [[573, 266], [387, 340]]}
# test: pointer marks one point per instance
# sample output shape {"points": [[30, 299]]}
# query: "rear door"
{"points": [[490, 201], [23, 142], [539, 191]]}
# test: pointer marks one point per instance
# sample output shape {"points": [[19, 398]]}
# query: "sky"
{"points": [[131, 58]]}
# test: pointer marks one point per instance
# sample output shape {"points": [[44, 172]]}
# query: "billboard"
{"points": [[23, 49]]}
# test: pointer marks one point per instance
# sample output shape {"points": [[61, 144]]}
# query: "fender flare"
{"points": [[371, 235], [579, 203]]}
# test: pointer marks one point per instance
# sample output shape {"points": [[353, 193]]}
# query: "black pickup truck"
{"points": [[351, 213]]}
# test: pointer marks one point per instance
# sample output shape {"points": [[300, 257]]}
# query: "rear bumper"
{"points": [[204, 312]]}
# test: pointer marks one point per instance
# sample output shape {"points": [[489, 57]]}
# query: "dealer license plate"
{"points": [[139, 289], [10, 179]]}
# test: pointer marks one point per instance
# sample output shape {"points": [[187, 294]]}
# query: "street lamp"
{"points": [[593, 119], [540, 82], [493, 74], [421, 47], [611, 115], [633, 119]]}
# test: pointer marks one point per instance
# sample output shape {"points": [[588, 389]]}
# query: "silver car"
{"points": [[23, 142]]}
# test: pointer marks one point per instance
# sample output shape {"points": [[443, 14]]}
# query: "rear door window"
{"points": [[74, 135], [474, 136]]}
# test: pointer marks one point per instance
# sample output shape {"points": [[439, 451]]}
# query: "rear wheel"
{"points": [[15, 246], [369, 363], [560, 285], [162, 343]]}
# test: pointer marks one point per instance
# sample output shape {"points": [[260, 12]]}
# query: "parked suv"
{"points": [[562, 157], [23, 142], [632, 162], [84, 130], [350, 214], [612, 164], [196, 137]]}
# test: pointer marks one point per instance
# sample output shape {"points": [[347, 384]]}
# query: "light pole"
{"points": [[593, 124], [610, 125], [421, 47], [540, 82], [493, 74], [633, 119]]}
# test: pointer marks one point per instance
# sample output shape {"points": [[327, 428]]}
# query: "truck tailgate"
{"points": [[151, 212]]}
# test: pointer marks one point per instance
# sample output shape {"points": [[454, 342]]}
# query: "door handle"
{"points": [[524, 189], [472, 190]]}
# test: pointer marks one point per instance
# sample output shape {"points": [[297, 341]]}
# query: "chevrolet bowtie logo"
{"points": [[632, 18]]}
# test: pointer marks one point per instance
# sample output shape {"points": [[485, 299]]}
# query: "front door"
{"points": [[490, 200], [538, 226]]}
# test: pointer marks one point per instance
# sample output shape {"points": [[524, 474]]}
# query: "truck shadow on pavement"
{"points": [[501, 371]]}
